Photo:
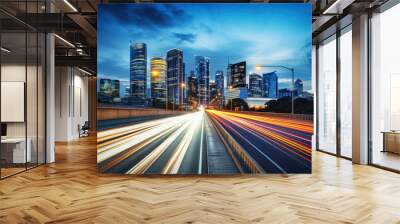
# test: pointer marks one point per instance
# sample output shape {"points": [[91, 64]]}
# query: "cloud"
{"points": [[113, 68], [147, 17], [185, 37]]}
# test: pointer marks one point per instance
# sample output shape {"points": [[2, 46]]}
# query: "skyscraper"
{"points": [[219, 81], [270, 85], [192, 88], [228, 76], [298, 87], [255, 85], [202, 65], [158, 69], [238, 74], [213, 90], [175, 76], [138, 70]]}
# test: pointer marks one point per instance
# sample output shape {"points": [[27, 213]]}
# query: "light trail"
{"points": [[287, 142], [174, 163], [176, 145], [135, 134], [145, 163], [299, 125], [290, 139], [118, 146]]}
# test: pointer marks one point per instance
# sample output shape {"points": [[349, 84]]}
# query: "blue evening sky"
{"points": [[267, 34]]}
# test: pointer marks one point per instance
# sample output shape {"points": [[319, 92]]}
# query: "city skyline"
{"points": [[203, 40]]}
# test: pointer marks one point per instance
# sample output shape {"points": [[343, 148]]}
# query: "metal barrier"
{"points": [[236, 150], [109, 113]]}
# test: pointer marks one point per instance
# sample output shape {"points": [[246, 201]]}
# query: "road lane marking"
{"points": [[201, 144], [146, 162], [115, 148], [174, 163], [257, 149]]}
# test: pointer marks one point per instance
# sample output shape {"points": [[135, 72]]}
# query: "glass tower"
{"points": [[138, 70], [158, 69], [238, 75], [270, 85], [202, 65], [175, 76], [255, 85]]}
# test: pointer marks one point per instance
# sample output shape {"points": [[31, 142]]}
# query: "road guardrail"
{"points": [[237, 151]]}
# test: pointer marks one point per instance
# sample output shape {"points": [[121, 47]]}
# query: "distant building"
{"points": [[175, 76], [109, 88], [192, 89], [298, 87], [255, 85], [270, 85], [219, 81], [238, 74], [213, 90], [105, 86], [158, 69], [104, 98], [307, 95], [202, 65], [258, 102], [284, 93], [138, 70], [233, 93], [228, 76], [127, 91], [115, 88]]}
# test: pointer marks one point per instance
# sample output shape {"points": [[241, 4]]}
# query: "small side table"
{"points": [[391, 141]]}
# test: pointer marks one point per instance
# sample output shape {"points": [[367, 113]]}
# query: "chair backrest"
{"points": [[86, 125]]}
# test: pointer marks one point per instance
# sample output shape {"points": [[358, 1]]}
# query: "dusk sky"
{"points": [[267, 34]]}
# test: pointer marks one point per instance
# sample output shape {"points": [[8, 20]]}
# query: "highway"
{"points": [[190, 144], [278, 145]]}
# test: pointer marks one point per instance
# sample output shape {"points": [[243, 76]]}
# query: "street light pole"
{"points": [[183, 95], [292, 90], [166, 97], [230, 87], [287, 68]]}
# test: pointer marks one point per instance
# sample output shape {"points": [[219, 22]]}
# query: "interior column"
{"points": [[360, 90]]}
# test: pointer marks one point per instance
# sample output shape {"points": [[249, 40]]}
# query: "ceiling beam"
{"points": [[79, 61]]}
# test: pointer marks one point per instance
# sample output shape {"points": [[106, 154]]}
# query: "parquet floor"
{"points": [[71, 191]]}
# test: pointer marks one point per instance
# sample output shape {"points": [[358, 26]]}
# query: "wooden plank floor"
{"points": [[71, 191]]}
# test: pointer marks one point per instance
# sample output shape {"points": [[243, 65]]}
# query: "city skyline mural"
{"points": [[204, 88]]}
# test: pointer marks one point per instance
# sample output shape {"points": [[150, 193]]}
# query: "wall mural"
{"points": [[204, 88]]}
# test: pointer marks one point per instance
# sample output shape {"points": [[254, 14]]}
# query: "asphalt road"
{"points": [[190, 144], [173, 145], [278, 145]]}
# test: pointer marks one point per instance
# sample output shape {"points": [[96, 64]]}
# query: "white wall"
{"points": [[71, 102], [14, 73], [34, 126]]}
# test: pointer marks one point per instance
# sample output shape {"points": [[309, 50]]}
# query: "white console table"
{"points": [[17, 146]]}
